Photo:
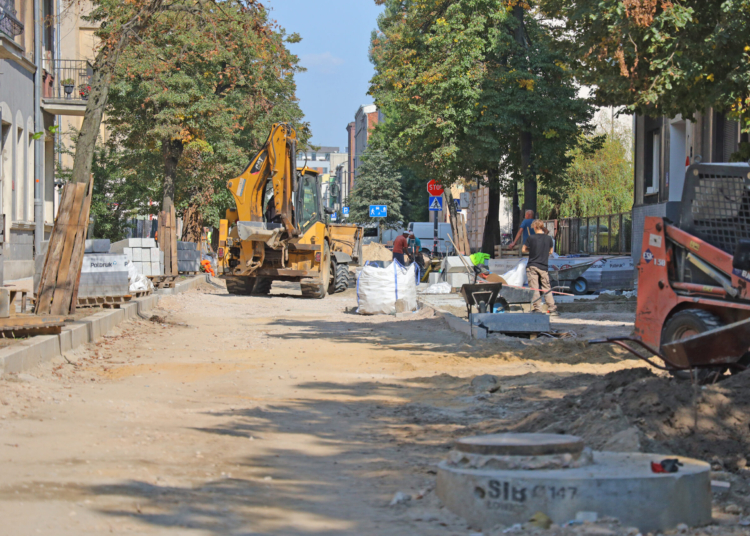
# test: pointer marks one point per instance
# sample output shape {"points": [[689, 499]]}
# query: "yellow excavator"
{"points": [[279, 230]]}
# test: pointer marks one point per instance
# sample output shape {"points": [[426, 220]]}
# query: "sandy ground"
{"points": [[253, 415]]}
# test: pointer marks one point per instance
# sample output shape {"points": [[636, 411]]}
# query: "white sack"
{"points": [[517, 276], [136, 280], [378, 289], [438, 288]]}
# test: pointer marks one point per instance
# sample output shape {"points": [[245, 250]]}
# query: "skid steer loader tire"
{"points": [[240, 286], [317, 287], [341, 280], [263, 286], [685, 324]]}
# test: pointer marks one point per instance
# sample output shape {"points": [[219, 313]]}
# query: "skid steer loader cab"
{"points": [[690, 275], [278, 230]]}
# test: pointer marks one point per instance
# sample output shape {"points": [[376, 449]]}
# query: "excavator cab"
{"points": [[278, 230]]}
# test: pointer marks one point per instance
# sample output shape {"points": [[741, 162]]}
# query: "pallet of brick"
{"points": [[143, 253], [188, 257], [104, 274], [97, 245]]}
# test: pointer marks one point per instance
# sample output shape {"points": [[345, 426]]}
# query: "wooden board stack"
{"points": [[58, 287], [168, 240]]}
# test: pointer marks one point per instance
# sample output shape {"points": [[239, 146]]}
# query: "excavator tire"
{"points": [[685, 324], [317, 287], [263, 286], [341, 279], [240, 286]]}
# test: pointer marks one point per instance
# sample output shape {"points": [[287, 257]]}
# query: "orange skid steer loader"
{"points": [[693, 296]]}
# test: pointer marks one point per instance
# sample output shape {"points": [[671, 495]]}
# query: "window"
{"points": [[652, 162], [309, 200], [314, 156]]}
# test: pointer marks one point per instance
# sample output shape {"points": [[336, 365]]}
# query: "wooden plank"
{"points": [[80, 248], [173, 242], [54, 251], [30, 322], [67, 254]]}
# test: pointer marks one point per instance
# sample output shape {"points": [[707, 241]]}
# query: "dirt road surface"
{"points": [[266, 415]]}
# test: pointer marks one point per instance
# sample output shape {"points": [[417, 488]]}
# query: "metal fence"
{"points": [[9, 24], [609, 234], [71, 79]]}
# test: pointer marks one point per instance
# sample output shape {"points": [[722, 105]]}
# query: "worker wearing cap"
{"points": [[539, 246], [400, 246]]}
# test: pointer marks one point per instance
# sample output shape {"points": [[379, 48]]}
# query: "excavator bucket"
{"points": [[721, 346]]}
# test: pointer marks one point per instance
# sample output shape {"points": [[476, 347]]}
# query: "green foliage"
{"points": [[200, 102], [599, 180], [378, 183], [664, 57], [458, 90]]}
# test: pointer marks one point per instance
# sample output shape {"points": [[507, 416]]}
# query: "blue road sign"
{"points": [[345, 211], [458, 205], [378, 211], [436, 203], [333, 217]]}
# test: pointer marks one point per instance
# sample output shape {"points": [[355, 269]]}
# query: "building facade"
{"points": [[27, 53], [364, 122], [663, 148]]}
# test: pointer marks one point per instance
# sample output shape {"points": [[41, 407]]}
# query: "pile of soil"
{"points": [[376, 252], [637, 410]]}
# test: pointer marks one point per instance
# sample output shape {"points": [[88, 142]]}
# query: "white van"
{"points": [[372, 234], [425, 231]]}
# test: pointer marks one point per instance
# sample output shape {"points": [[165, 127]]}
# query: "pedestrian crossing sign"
{"points": [[436, 203]]}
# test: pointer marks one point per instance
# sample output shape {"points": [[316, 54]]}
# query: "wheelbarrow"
{"points": [[481, 295], [569, 275]]}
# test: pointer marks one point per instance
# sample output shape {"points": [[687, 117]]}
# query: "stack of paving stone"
{"points": [[143, 253], [104, 274], [188, 257]]}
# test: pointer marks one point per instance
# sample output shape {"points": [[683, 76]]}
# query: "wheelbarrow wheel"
{"points": [[686, 324]]}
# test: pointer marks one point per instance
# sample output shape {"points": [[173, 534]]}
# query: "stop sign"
{"points": [[434, 188]]}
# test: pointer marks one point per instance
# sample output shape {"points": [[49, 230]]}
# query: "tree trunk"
{"points": [[529, 180], [101, 78], [516, 214], [104, 68], [191, 224], [491, 237], [171, 151]]}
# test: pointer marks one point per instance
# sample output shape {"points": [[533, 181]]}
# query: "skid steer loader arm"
{"points": [[277, 160]]}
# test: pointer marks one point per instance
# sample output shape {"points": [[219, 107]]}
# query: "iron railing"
{"points": [[9, 24], [71, 80], [609, 234]]}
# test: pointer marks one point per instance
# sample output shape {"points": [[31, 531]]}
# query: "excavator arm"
{"points": [[277, 161]]}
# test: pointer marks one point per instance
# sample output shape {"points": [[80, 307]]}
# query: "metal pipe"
{"points": [[701, 289], [38, 127], [714, 274]]}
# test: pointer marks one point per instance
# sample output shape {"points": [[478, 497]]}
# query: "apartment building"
{"points": [[27, 49], [663, 148]]}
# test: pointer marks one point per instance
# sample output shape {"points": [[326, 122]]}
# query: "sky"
{"points": [[335, 40]]}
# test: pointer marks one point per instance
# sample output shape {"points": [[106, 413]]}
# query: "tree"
{"points": [[378, 183], [599, 180], [188, 108], [119, 24], [474, 89], [660, 57]]}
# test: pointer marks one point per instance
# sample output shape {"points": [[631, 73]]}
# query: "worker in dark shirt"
{"points": [[400, 245], [539, 246]]}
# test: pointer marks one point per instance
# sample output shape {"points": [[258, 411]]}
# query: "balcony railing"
{"points": [[9, 24], [69, 80]]}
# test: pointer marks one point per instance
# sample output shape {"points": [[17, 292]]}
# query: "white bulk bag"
{"points": [[378, 289], [517, 276]]}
